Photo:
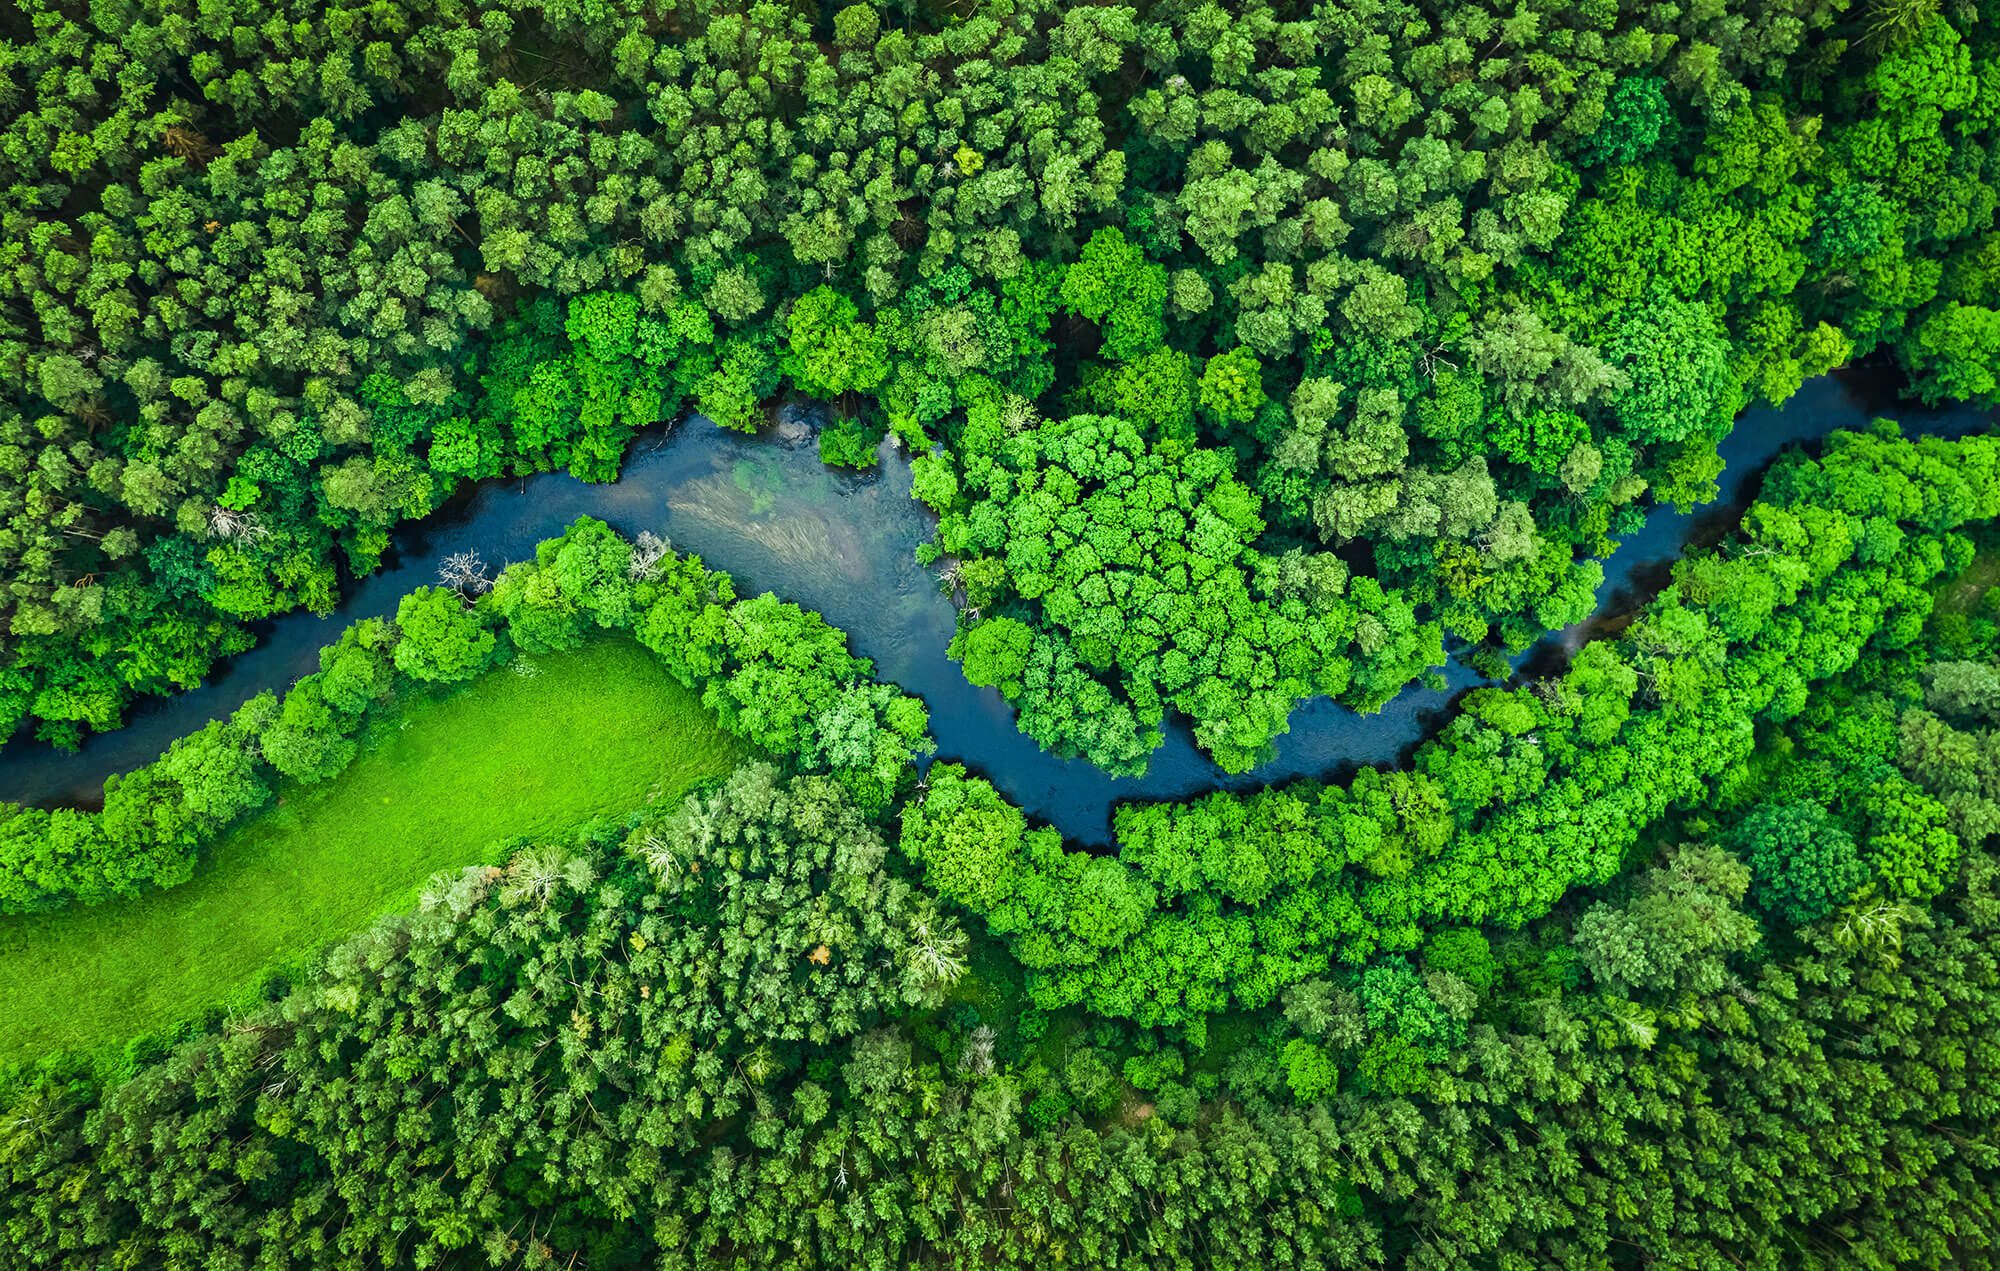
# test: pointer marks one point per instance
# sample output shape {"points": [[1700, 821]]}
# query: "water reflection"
{"points": [[768, 512]]}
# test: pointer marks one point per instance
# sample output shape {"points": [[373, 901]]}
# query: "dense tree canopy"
{"points": [[1532, 791], [1246, 353], [1468, 285]]}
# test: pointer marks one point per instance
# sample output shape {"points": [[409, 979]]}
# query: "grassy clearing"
{"points": [[1965, 593], [438, 784]]}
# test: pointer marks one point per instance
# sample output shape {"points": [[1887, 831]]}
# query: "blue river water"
{"points": [[768, 512]]}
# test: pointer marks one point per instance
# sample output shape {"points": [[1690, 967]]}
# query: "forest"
{"points": [[598, 906]]}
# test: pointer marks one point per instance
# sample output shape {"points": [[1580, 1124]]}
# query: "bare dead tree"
{"points": [[1430, 359], [978, 1056], [666, 433], [465, 574], [535, 875], [1019, 414], [237, 526], [660, 856], [649, 551], [937, 948]]}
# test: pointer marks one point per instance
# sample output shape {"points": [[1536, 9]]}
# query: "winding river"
{"points": [[768, 512]]}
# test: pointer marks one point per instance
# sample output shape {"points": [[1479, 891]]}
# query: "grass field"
{"points": [[1967, 591], [438, 783]]}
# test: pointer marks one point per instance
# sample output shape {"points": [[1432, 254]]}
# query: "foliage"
{"points": [[1804, 865], [1134, 566], [1248, 353], [1784, 1161], [273, 294], [608, 1017], [1529, 792], [1681, 923], [1958, 766], [440, 640]]}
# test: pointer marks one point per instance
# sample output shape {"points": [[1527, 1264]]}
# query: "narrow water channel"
{"points": [[768, 512]]}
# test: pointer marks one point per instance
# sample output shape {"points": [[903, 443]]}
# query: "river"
{"points": [[769, 513]]}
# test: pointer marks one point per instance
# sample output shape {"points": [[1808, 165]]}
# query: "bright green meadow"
{"points": [[439, 784]]}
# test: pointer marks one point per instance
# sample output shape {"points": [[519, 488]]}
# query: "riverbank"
{"points": [[438, 785], [843, 544]]}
